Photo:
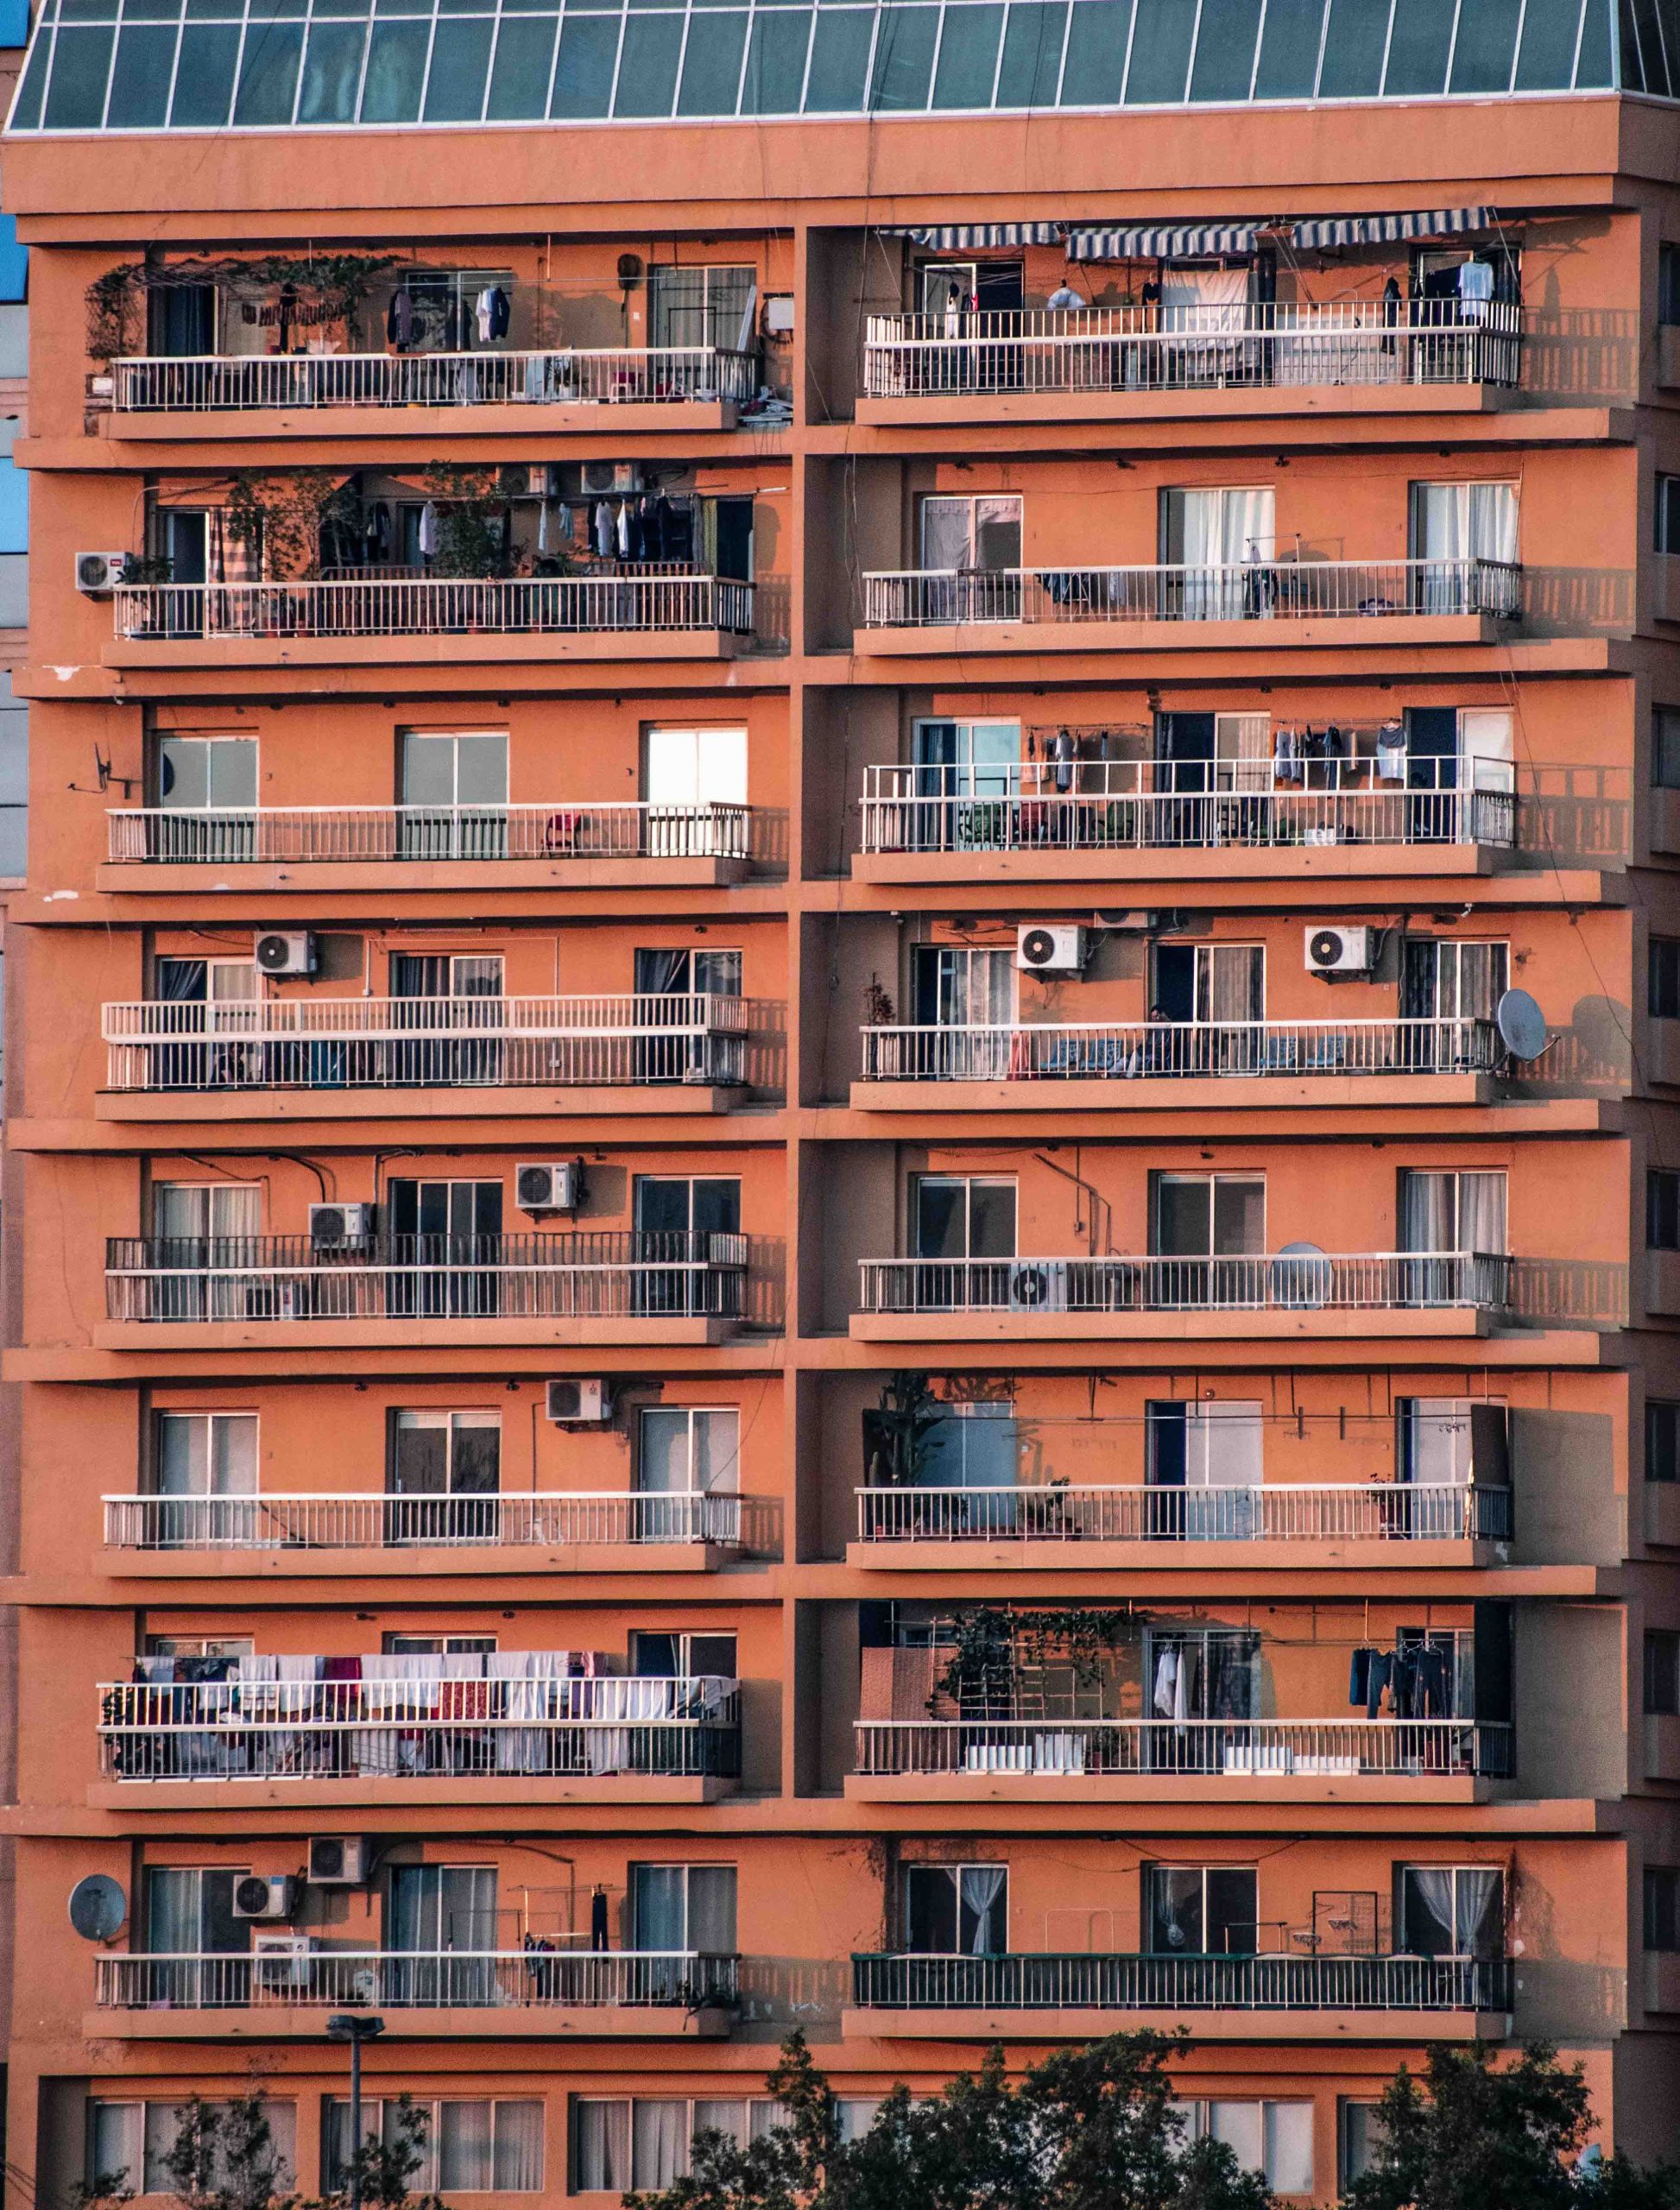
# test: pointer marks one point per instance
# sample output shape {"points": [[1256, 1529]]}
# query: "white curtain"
{"points": [[1221, 529], [1482, 1213], [464, 2146], [1288, 2145], [982, 1885], [1426, 1211], [1238, 2124], [518, 2152], [1457, 522], [715, 2117], [1430, 1927], [660, 2145], [603, 2146], [1477, 1912]]}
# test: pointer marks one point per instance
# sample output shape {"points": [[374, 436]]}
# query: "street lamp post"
{"points": [[355, 2028]]}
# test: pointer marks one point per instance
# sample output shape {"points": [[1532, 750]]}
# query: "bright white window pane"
{"points": [[717, 1452], [1289, 2148], [1238, 2124]]}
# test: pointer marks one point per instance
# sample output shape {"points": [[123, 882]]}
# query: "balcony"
{"points": [[1194, 1759], [1146, 360], [1332, 817], [445, 847], [671, 611], [1236, 1997], [1234, 604], [314, 1533], [413, 1730], [1305, 1292], [606, 1052], [282, 1990], [594, 1287], [711, 381], [1243, 1063], [1381, 1523]]}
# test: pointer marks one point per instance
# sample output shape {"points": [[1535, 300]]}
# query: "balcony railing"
{"points": [[545, 1519], [307, 1978], [1106, 1982], [306, 835], [605, 1274], [1367, 1281], [419, 1725], [1097, 1050], [1414, 1512], [321, 1043], [654, 596], [1255, 591], [615, 375], [1128, 805], [1250, 1749], [1191, 348]]}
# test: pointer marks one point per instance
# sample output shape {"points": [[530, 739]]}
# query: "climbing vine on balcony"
{"points": [[324, 287], [990, 1644]]}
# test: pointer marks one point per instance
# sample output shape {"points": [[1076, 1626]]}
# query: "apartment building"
{"points": [[843, 1155]]}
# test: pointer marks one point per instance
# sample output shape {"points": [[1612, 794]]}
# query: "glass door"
{"points": [[454, 802], [684, 1452], [1219, 547], [439, 1232], [685, 771], [206, 1462], [455, 1008], [206, 1233], [454, 1460], [206, 787], [441, 1923], [678, 1221], [967, 996]]}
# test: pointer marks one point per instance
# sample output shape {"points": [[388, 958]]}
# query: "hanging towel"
{"points": [[603, 530], [623, 529], [542, 526], [486, 309], [428, 529]]}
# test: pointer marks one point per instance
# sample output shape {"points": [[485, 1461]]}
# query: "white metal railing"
{"points": [[550, 1518], [1099, 1980], [654, 596], [1087, 1050], [560, 376], [1417, 1511], [1248, 1749], [322, 1043], [1365, 1281], [398, 1725], [302, 835], [1126, 804], [588, 1274], [1195, 346], [1251, 591], [301, 1973]]}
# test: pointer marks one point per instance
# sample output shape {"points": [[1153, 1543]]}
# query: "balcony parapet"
{"points": [[1395, 1513], [283, 1986], [597, 376], [463, 1524], [328, 1044], [498, 1721], [1245, 593], [1256, 346], [1150, 1751]]}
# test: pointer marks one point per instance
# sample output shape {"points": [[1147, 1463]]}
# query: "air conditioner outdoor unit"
{"points": [[286, 952], [1340, 951], [579, 1404], [280, 1962], [340, 1227], [265, 1895], [548, 1185], [1037, 1286], [338, 1861], [1043, 948], [97, 574], [611, 478]]}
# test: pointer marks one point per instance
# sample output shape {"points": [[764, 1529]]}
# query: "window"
{"points": [[134, 2138], [1662, 978], [957, 1910], [965, 759], [1444, 979], [617, 2143], [1450, 1910], [684, 974], [438, 1646], [207, 1453], [436, 1907], [1205, 1445], [444, 1455], [454, 794], [676, 1908], [1201, 1911], [683, 1657], [1454, 525], [682, 1451], [982, 533], [1208, 1215], [1667, 284], [691, 767], [1275, 2139], [1358, 2135], [964, 1216], [958, 986], [1214, 540], [1665, 748], [713, 307], [1446, 1212], [199, 1646], [1662, 1440], [440, 1226], [1221, 982], [432, 974], [475, 2147], [1662, 1672], [1661, 1907], [1668, 514], [852, 2116], [1436, 1439], [206, 774], [189, 1911], [681, 1215], [1662, 1208]]}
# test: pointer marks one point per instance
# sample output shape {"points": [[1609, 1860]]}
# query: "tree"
{"points": [[1093, 2129], [385, 2165], [1471, 2134]]}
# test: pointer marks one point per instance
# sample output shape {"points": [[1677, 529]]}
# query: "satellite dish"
{"points": [[97, 1908], [1522, 1026], [1301, 1276]]}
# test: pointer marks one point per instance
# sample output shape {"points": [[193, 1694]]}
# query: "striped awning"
{"points": [[1163, 241], [1392, 230], [958, 237]]}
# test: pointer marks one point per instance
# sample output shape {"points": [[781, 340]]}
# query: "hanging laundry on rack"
{"points": [[427, 534], [622, 529], [400, 317], [602, 529]]}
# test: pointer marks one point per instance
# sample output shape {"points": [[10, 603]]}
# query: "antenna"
{"points": [[1522, 1026]]}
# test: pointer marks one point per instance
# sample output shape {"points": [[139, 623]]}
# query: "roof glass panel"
{"points": [[267, 64]]}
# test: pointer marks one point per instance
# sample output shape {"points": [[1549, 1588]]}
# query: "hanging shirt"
{"points": [[400, 317], [486, 312], [603, 529], [1061, 753], [623, 529], [428, 529], [1475, 288]]}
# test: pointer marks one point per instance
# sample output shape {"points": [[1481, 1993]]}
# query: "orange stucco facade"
{"points": [[902, 1154]]}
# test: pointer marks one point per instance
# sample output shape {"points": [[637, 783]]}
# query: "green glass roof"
{"points": [[267, 64]]}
